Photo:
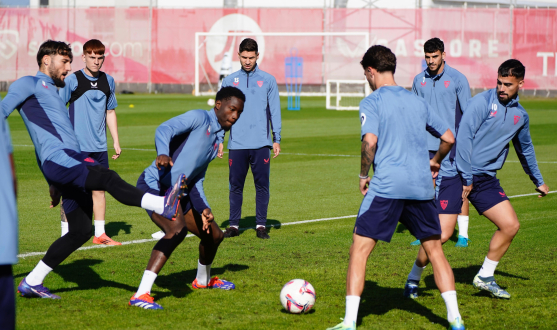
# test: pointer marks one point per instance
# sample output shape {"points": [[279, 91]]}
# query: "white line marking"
{"points": [[30, 254]]}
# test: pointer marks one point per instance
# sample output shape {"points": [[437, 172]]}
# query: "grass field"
{"points": [[315, 177]]}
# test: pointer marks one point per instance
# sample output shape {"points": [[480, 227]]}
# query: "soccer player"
{"points": [[8, 228], [69, 174], [394, 135], [90, 93], [187, 144], [493, 119], [250, 139], [447, 91]]}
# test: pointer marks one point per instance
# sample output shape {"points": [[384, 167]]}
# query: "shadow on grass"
{"points": [[179, 284], [249, 223], [378, 300], [113, 228]]}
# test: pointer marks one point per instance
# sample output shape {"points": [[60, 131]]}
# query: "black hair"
{"points": [[226, 93], [52, 47], [433, 45], [512, 68], [248, 45], [380, 58]]}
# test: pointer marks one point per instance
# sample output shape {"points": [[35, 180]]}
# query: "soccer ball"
{"points": [[297, 296]]}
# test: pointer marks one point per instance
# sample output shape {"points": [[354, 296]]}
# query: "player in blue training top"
{"points": [[69, 174], [395, 125], [8, 228], [90, 93], [447, 91], [187, 144], [493, 119], [250, 139]]}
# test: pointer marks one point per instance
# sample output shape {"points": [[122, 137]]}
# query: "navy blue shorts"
{"points": [[486, 193], [101, 157], [449, 195], [7, 298], [379, 217], [143, 186], [432, 154]]}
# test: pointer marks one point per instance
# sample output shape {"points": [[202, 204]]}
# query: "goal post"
{"points": [[327, 55], [346, 94]]}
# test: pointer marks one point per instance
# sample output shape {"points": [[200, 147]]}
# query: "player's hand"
{"points": [[276, 149], [465, 192], [434, 166], [207, 217], [164, 161], [117, 150], [543, 190], [221, 150], [364, 185], [55, 196]]}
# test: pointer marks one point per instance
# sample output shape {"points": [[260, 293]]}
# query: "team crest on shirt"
{"points": [[423, 82], [516, 119], [93, 85], [444, 204], [44, 85], [363, 118], [236, 81], [260, 83], [447, 83]]}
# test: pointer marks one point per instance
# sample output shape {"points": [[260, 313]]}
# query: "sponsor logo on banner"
{"points": [[216, 46], [260, 83], [516, 119], [447, 83], [236, 81], [9, 40], [444, 204]]}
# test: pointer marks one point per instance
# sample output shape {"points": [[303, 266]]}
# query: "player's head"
{"points": [[378, 61], [248, 54], [229, 104], [434, 50], [54, 59], [510, 78], [93, 55]]}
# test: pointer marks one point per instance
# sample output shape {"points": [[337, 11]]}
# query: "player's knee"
{"points": [[445, 237], [218, 237], [512, 228], [177, 234]]}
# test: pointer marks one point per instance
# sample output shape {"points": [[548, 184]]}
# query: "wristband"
{"points": [[363, 177]]}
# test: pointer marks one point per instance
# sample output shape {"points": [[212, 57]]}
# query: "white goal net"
{"points": [[346, 94]]}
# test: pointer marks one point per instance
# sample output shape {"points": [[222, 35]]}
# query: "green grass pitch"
{"points": [[96, 284]]}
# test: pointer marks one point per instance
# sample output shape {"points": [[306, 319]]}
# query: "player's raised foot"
{"points": [[262, 233], [457, 324], [416, 242], [214, 283], [488, 284], [172, 198], [411, 289], [462, 241], [158, 235], [144, 301], [105, 240], [342, 326], [39, 291], [231, 232]]}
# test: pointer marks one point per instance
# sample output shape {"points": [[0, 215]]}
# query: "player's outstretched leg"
{"points": [[448, 222], [444, 279], [504, 217]]}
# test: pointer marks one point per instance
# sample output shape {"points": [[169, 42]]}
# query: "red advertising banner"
{"points": [[158, 45]]}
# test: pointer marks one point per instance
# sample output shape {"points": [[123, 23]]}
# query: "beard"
{"points": [[58, 81]]}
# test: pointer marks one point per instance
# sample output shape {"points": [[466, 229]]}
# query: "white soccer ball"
{"points": [[297, 296]]}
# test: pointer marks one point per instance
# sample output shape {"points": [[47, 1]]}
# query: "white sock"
{"points": [[416, 272], [237, 227], [260, 226], [99, 228], [146, 283], [488, 268], [203, 273], [153, 203], [463, 225], [37, 275], [64, 228], [452, 305], [352, 305]]}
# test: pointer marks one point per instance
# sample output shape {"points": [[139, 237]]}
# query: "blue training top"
{"points": [[89, 98], [8, 215], [261, 110], [448, 93], [191, 140], [401, 121], [45, 116], [483, 139]]}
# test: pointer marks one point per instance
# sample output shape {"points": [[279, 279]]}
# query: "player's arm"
{"points": [[273, 100], [8, 141], [525, 151], [66, 92], [220, 141], [225, 81], [18, 92], [439, 129], [414, 87], [166, 131], [200, 203], [369, 118], [111, 120], [463, 92]]}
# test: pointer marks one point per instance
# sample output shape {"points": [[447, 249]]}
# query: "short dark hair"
{"points": [[248, 45], [512, 68], [52, 47], [93, 46], [226, 93], [433, 45], [380, 58]]}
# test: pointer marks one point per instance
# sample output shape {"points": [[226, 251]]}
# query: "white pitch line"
{"points": [[30, 254]]}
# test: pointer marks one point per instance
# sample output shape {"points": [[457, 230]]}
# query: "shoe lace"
{"points": [[146, 297], [215, 280]]}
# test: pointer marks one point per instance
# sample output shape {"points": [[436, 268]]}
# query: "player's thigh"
{"points": [[421, 218], [260, 162], [448, 223], [238, 163], [378, 217], [194, 223], [504, 217], [170, 227]]}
